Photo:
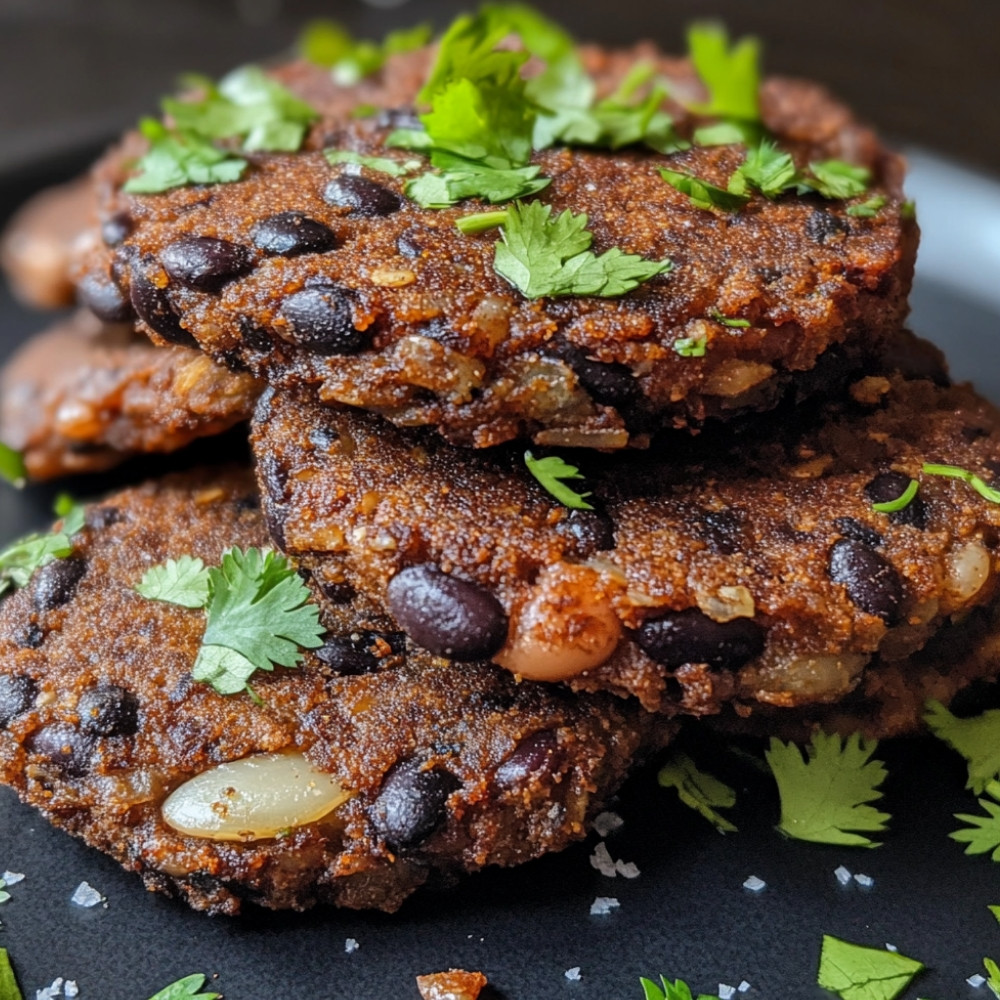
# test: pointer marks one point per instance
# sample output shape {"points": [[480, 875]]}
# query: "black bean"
{"points": [[320, 319], [336, 592], [56, 583], [153, 307], [116, 228], [98, 293], [108, 710], [851, 527], [29, 636], [692, 637], [323, 438], [608, 383], [17, 693], [821, 226], [408, 243], [540, 752], [103, 517], [589, 531], [889, 486], [871, 581], [362, 652], [362, 196], [289, 234], [411, 804], [722, 531], [205, 263], [64, 746], [447, 615]]}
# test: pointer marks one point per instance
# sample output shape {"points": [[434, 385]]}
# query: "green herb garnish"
{"points": [[977, 739], [8, 984], [552, 473], [257, 612], [4, 895], [380, 164], [185, 989], [992, 976], [21, 558], [728, 133], [480, 222], [698, 790], [691, 347], [824, 797], [855, 972], [835, 179], [12, 466], [702, 194], [901, 502], [677, 990], [868, 209], [731, 73], [766, 169], [982, 834], [734, 323], [328, 44], [954, 472]]}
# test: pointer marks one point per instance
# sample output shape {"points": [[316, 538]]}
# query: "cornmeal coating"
{"points": [[745, 565], [329, 277], [100, 721], [84, 396]]}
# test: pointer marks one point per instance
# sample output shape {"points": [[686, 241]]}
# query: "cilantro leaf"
{"points": [[181, 581], [21, 558], [993, 976], [380, 164], [540, 256], [551, 473], [691, 347], [8, 984], [977, 739], [726, 133], [836, 179], [982, 835], [954, 472], [855, 972], [868, 209], [766, 169], [469, 178], [175, 159], [824, 796], [677, 990], [12, 466], [4, 895], [995, 910], [698, 790], [730, 73], [702, 194], [901, 502], [733, 322], [328, 44], [184, 989]]}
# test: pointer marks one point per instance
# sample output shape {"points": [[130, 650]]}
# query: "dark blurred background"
{"points": [[73, 72]]}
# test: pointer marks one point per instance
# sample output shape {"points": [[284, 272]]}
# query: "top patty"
{"points": [[375, 302]]}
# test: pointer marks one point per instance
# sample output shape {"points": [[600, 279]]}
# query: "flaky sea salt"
{"points": [[351, 946], [50, 992], [843, 875], [726, 992], [627, 869], [573, 975], [864, 880], [601, 860], [607, 822], [976, 982], [71, 989], [12, 878], [86, 895], [890, 947], [754, 884], [743, 987], [603, 905]]}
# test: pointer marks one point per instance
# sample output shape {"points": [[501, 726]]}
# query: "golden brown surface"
{"points": [[524, 765], [456, 984], [443, 340]]}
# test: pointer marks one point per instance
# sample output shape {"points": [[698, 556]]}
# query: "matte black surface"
{"points": [[686, 915]]}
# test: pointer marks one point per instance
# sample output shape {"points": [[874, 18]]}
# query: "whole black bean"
{"points": [[871, 581], [289, 234], [409, 242], [539, 752], [690, 636], [360, 652], [608, 383], [98, 293], [108, 710], [822, 226], [851, 527], [889, 486], [116, 228], [205, 263], [722, 531], [362, 196], [17, 693], [29, 636], [337, 592], [320, 319], [55, 584], [589, 531], [411, 804], [447, 615], [152, 304], [64, 746]]}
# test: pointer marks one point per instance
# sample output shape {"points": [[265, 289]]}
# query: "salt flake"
{"points": [[601, 860], [743, 987], [864, 880], [843, 875], [607, 822], [12, 878], [351, 946], [976, 982], [726, 992], [890, 947], [86, 895], [627, 869], [71, 989], [603, 905], [573, 975], [754, 884]]}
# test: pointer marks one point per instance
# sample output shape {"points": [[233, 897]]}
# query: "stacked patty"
{"points": [[765, 503]]}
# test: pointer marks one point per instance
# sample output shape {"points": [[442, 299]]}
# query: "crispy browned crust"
{"points": [[82, 397], [740, 523], [410, 709], [449, 343]]}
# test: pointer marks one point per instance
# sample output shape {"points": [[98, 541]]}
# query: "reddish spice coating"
{"points": [[82, 397], [524, 765], [746, 565], [455, 984], [438, 338]]}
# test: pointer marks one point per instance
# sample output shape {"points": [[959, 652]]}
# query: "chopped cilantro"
{"points": [[992, 976], [469, 179], [185, 989], [702, 194], [8, 984], [540, 256], [868, 209], [691, 347], [908, 210], [836, 179], [954, 472], [726, 133], [731, 74], [734, 323], [766, 169], [995, 910], [977, 739], [257, 609], [551, 473], [380, 164], [698, 790], [4, 895], [901, 502], [21, 558], [175, 159], [480, 222], [855, 972], [328, 44], [181, 581], [824, 796], [677, 990], [12, 466], [982, 835]]}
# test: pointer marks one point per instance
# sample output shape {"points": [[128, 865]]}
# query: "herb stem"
{"points": [[480, 222], [901, 502]]}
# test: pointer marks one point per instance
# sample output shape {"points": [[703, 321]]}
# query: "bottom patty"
{"points": [[419, 773]]}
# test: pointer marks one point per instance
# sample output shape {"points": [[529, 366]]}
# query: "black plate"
{"points": [[687, 915]]}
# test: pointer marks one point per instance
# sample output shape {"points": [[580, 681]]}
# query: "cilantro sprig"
{"points": [[677, 990], [986, 491], [380, 164], [258, 615], [185, 989], [328, 44], [731, 73], [552, 473], [9, 989], [981, 834], [21, 558], [825, 796], [856, 972], [977, 739], [698, 790]]}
